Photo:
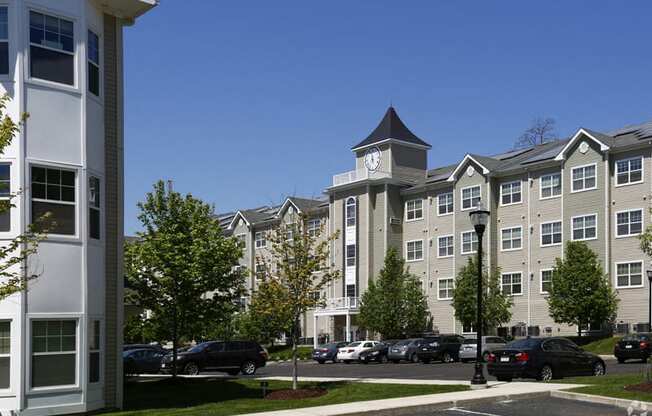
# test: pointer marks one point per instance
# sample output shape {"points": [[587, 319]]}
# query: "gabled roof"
{"points": [[478, 160], [601, 139], [391, 128], [300, 204]]}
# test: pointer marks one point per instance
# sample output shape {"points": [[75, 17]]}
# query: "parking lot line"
{"points": [[470, 412]]}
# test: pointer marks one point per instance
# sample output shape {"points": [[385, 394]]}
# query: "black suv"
{"points": [[231, 357], [440, 347]]}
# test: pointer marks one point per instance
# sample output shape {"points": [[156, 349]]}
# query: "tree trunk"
{"points": [[579, 330], [295, 341]]}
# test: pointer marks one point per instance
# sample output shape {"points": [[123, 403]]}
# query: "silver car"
{"points": [[404, 350], [469, 347]]}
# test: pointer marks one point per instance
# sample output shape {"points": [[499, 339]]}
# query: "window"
{"points": [[53, 191], [94, 207], [550, 233], [242, 240], [350, 291], [510, 193], [260, 239], [445, 246], [414, 210], [546, 280], [414, 250], [260, 270], [584, 227], [469, 242], [289, 232], [511, 284], [445, 203], [445, 288], [511, 238], [5, 354], [93, 63], [629, 171], [4, 40], [629, 223], [550, 185], [54, 345], [94, 352], [583, 178], [350, 255], [350, 212], [5, 195], [314, 227], [470, 197], [52, 48], [629, 274]]}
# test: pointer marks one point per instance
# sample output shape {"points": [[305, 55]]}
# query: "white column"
{"points": [[348, 328], [314, 330]]}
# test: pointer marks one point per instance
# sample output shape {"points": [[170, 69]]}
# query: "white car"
{"points": [[350, 352]]}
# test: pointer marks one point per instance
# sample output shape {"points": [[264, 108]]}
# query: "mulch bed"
{"points": [[643, 387], [289, 394]]}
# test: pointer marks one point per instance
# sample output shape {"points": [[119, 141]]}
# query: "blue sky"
{"points": [[243, 103]]}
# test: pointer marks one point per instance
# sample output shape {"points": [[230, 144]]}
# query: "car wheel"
{"points": [[545, 374], [506, 379], [191, 369], [414, 358], [598, 368], [248, 368], [321, 361], [446, 358]]}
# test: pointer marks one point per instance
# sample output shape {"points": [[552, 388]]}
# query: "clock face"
{"points": [[372, 158]]}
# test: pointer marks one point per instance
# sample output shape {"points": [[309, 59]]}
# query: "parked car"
{"points": [[142, 361], [405, 350], [350, 352], [153, 347], [445, 348], [638, 346], [470, 346], [327, 352], [232, 357], [376, 354], [543, 359]]}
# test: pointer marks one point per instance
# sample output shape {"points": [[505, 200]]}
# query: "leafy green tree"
{"points": [[394, 304], [181, 267], [646, 239], [581, 294], [299, 268], [268, 317], [496, 306]]}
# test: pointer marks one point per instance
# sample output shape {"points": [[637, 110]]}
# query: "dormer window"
{"points": [[52, 48]]}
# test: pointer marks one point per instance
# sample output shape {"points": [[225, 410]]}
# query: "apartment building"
{"points": [[594, 187], [60, 342]]}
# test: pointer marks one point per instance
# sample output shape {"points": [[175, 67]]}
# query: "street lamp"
{"points": [[479, 218], [649, 301]]}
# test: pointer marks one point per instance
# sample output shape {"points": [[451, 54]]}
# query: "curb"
{"points": [[592, 398]]}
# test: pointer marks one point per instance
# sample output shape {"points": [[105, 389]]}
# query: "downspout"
{"points": [[529, 250]]}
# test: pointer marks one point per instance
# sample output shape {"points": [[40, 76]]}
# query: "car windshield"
{"points": [[429, 341], [199, 347], [521, 344], [354, 344], [403, 342], [470, 341], [636, 337]]}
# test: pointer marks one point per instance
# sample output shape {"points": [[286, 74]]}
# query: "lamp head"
{"points": [[479, 216]]}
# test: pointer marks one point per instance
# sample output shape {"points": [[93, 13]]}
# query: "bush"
{"points": [[284, 352]]}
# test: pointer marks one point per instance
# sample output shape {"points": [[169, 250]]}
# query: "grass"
{"points": [[219, 397], [284, 352], [611, 386], [603, 346]]}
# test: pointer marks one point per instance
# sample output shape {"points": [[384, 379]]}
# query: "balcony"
{"points": [[338, 306], [358, 175]]}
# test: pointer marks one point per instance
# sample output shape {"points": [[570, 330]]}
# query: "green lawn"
{"points": [[603, 346], [284, 352], [217, 397], [611, 386]]}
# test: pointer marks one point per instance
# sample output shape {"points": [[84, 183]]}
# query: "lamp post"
{"points": [[649, 301], [479, 218]]}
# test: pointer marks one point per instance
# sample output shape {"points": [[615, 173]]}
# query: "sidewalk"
{"points": [[498, 391]]}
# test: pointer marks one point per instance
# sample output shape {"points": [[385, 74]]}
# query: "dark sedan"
{"points": [[377, 354], [142, 361], [445, 348], [327, 352], [634, 346], [232, 357], [543, 359]]}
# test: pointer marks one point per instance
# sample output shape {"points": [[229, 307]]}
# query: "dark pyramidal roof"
{"points": [[391, 127]]}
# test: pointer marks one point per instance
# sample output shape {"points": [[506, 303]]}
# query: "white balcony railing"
{"points": [[334, 305], [358, 175]]}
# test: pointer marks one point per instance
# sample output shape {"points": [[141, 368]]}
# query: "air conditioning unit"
{"points": [[394, 221]]}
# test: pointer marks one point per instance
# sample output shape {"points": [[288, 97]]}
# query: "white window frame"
{"points": [[350, 202], [629, 274], [629, 171], [446, 279], [595, 177], [76, 172], [407, 251], [8, 196], [629, 223], [584, 216], [462, 242], [446, 195], [313, 229], [502, 241], [512, 283], [544, 292], [511, 193], [452, 236], [561, 226], [8, 355], [462, 197], [8, 42], [552, 187], [48, 317], [242, 238], [260, 242], [353, 258], [414, 210]]}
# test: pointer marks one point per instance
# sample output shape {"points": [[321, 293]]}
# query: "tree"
{"points": [[541, 131], [181, 267], [646, 240], [268, 316], [496, 305], [302, 269], [394, 305], [581, 294]]}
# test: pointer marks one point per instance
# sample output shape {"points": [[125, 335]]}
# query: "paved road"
{"points": [[545, 406], [453, 371]]}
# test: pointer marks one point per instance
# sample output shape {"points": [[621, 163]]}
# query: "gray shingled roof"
{"points": [[391, 127]]}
